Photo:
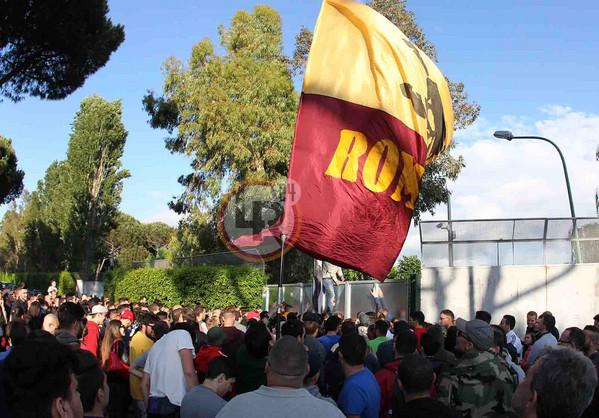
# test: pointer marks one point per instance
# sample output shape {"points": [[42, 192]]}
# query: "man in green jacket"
{"points": [[481, 384]]}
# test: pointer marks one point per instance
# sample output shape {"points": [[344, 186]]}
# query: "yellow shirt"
{"points": [[140, 343]]}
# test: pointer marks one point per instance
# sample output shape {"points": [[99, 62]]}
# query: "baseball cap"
{"points": [[311, 316], [252, 315], [477, 331], [99, 309], [127, 314]]}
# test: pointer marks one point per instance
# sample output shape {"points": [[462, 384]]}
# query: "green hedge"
{"points": [[66, 282], [211, 286]]}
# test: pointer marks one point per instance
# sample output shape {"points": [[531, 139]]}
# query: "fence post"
{"points": [[413, 291], [347, 299]]}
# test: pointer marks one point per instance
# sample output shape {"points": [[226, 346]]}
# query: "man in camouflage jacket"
{"points": [[481, 384]]}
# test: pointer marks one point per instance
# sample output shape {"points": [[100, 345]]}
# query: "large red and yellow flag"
{"points": [[374, 111]]}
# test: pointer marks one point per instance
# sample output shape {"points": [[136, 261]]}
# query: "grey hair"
{"points": [[565, 383]]}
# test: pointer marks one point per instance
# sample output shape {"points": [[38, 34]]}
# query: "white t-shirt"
{"points": [[513, 339], [165, 368]]}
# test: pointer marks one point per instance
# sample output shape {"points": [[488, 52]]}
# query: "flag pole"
{"points": [[280, 299]]}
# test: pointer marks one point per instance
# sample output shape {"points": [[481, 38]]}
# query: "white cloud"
{"points": [[556, 110], [165, 215], [524, 178]]}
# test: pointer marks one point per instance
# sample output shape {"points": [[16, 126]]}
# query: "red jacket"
{"points": [[386, 378], [205, 354], [92, 339]]}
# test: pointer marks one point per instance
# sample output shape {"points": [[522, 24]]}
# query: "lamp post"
{"points": [[509, 136]]}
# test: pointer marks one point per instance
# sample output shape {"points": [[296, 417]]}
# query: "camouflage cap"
{"points": [[478, 332]]}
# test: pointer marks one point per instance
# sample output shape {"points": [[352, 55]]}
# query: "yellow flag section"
{"points": [[359, 56]]}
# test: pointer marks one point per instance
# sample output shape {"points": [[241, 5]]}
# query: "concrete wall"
{"points": [[570, 292]]}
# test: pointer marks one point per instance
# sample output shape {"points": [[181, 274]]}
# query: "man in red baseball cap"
{"points": [[127, 319]]}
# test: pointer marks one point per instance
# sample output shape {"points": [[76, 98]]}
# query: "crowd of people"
{"points": [[68, 357]]}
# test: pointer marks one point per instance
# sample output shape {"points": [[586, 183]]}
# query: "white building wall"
{"points": [[570, 292]]}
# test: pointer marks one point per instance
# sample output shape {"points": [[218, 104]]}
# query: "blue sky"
{"points": [[530, 65]]}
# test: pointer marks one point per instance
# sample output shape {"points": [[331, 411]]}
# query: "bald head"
{"points": [[50, 323]]}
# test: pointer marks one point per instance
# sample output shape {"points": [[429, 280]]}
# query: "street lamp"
{"points": [[508, 136]]}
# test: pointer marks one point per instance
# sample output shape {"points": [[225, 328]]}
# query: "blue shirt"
{"points": [[5, 354], [539, 345], [328, 341], [360, 395]]}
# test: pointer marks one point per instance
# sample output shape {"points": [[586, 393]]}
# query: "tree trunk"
{"points": [[99, 269]]}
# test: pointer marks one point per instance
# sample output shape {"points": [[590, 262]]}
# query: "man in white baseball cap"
{"points": [[93, 340]]}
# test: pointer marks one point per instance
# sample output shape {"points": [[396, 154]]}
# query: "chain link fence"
{"points": [[504, 242]]}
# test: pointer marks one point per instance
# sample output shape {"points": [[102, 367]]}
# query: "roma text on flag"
{"points": [[374, 111]]}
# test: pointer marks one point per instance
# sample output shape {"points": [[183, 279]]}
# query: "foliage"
{"points": [[197, 234], [48, 49], [66, 281], [129, 255], [251, 84], [157, 235], [11, 178], [212, 286], [408, 266], [298, 268], [433, 187], [43, 248], [11, 237], [127, 233], [66, 222], [95, 181]]}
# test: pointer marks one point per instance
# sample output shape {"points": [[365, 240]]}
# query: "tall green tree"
{"points": [[157, 235], [49, 48], [127, 233], [234, 114], [11, 178], [433, 187], [11, 236], [94, 178], [43, 249]]}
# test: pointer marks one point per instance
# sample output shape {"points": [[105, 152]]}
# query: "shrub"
{"points": [[212, 286], [66, 282]]}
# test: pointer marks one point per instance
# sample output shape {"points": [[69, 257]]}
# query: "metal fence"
{"points": [[227, 258], [503, 242], [400, 295]]}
